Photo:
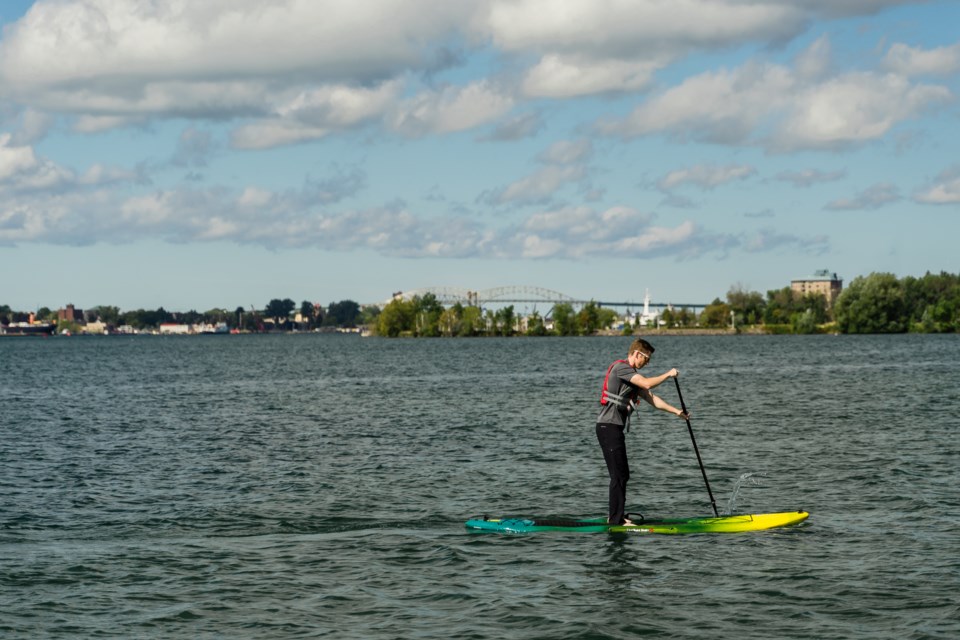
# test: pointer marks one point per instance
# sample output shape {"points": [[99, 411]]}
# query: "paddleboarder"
{"points": [[622, 387]]}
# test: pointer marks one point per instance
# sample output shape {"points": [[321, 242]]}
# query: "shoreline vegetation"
{"points": [[877, 303]]}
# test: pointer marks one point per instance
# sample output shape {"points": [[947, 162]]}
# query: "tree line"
{"points": [[278, 314], [425, 316], [876, 303]]}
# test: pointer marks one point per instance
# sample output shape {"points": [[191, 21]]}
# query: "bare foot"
{"points": [[627, 522]]}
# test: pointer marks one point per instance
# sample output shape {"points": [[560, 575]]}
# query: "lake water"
{"points": [[317, 485]]}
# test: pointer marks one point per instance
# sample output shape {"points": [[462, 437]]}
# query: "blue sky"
{"points": [[195, 155]]}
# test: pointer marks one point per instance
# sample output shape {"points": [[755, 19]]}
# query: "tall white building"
{"points": [[647, 317]]}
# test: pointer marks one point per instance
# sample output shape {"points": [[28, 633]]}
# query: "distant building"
{"points": [[174, 328], [70, 314], [823, 282], [646, 318], [95, 328]]}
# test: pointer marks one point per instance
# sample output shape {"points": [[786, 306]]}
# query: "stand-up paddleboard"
{"points": [[723, 524]]}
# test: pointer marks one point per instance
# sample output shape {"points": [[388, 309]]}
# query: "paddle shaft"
{"points": [[696, 450]]}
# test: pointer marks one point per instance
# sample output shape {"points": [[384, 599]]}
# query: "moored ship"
{"points": [[27, 329]]}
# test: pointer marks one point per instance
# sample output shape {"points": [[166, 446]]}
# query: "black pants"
{"points": [[610, 437]]}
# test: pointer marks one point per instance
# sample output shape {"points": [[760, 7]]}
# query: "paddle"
{"points": [[696, 450]]}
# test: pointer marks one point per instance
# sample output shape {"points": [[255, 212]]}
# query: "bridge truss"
{"points": [[520, 294]]}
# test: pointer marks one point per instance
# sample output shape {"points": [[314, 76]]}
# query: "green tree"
{"points": [[428, 310], [490, 323], [396, 317], [280, 310], [716, 315], [564, 319], [816, 305], [781, 305], [606, 318], [471, 321], [345, 313], [190, 317], [933, 302], [505, 318], [449, 322], [145, 319], [668, 317], [872, 304], [535, 326], [804, 322], [308, 314], [588, 319], [106, 314], [216, 316], [747, 306], [68, 326], [686, 318], [369, 315]]}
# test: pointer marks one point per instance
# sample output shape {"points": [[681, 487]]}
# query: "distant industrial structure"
{"points": [[823, 282]]}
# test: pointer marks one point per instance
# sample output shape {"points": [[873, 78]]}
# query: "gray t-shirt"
{"points": [[618, 382]]}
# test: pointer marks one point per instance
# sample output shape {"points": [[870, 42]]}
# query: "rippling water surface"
{"points": [[316, 485]]}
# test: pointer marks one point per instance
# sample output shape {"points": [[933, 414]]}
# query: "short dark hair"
{"points": [[640, 345]]}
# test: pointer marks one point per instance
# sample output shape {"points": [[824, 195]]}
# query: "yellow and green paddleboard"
{"points": [[723, 524]]}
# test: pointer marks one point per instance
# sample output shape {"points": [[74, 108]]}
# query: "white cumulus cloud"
{"points": [[854, 108], [944, 190], [914, 61], [307, 63], [775, 107], [451, 109], [871, 198], [565, 164], [705, 176], [23, 170], [567, 152], [539, 186], [557, 76], [809, 177]]}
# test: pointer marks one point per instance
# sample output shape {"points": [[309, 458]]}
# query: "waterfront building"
{"points": [[97, 327], [646, 318], [823, 282], [70, 314], [174, 328]]}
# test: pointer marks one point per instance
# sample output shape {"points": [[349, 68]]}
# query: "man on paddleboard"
{"points": [[622, 387]]}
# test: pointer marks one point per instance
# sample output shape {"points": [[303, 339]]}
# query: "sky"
{"points": [[201, 155]]}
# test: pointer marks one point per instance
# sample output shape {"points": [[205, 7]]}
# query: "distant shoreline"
{"points": [[751, 330], [672, 332]]}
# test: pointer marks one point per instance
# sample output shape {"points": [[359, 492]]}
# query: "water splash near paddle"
{"points": [[754, 480]]}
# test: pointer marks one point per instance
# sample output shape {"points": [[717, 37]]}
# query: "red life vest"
{"points": [[622, 400]]}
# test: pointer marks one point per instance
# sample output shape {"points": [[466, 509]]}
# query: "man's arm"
{"points": [[659, 403], [640, 382]]}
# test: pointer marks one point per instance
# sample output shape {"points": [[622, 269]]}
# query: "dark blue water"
{"points": [[316, 486]]}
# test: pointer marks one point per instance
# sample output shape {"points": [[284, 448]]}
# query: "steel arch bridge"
{"points": [[518, 294], [512, 294]]}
